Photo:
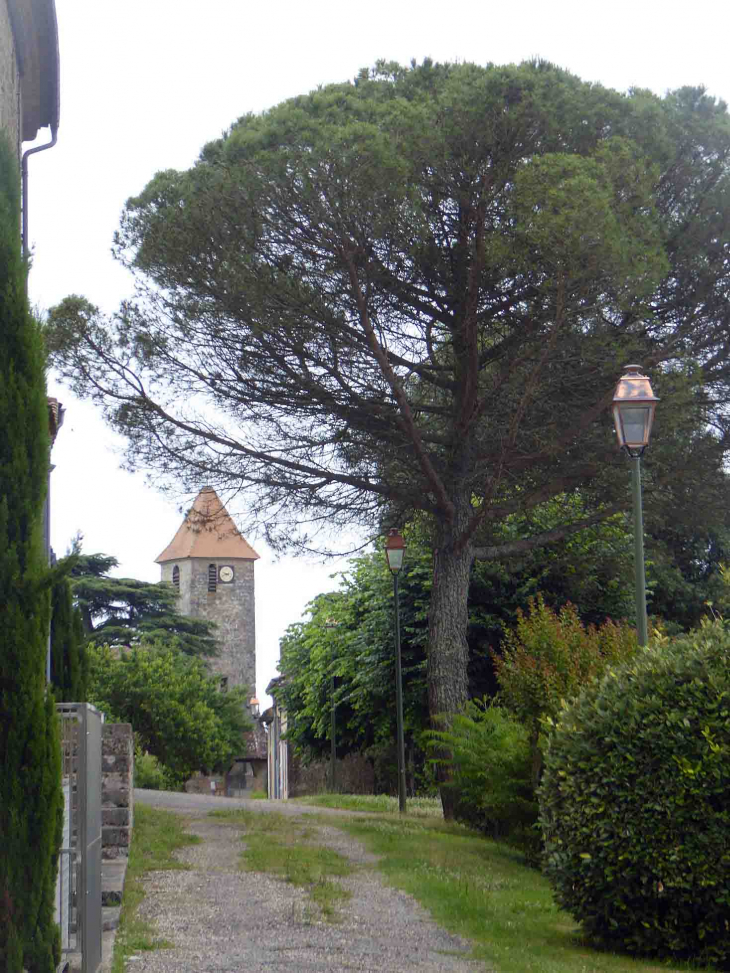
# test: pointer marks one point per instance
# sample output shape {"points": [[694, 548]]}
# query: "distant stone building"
{"points": [[278, 749], [212, 566]]}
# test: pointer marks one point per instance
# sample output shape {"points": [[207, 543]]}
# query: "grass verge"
{"points": [[418, 807], [286, 847], [482, 890], [155, 836]]}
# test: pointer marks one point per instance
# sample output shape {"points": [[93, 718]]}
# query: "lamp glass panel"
{"points": [[395, 558], [635, 424]]}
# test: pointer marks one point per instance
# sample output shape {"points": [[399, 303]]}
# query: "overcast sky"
{"points": [[145, 83]]}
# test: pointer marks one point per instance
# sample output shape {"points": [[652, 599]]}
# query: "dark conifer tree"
{"points": [[30, 787], [68, 659], [123, 611]]}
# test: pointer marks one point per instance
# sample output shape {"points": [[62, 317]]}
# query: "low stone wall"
{"points": [[212, 786], [117, 793], [244, 777], [354, 774]]}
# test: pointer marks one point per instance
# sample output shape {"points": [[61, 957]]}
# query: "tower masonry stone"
{"points": [[212, 566]]}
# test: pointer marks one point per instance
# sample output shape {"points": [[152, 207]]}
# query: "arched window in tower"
{"points": [[212, 577], [176, 577]]}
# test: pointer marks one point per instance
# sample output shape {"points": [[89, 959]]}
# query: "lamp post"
{"points": [[331, 623], [634, 405], [394, 549], [333, 739]]}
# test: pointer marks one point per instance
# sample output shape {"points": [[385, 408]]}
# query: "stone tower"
{"points": [[211, 565]]}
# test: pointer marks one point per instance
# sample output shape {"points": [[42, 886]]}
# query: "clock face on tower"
{"points": [[225, 574]]}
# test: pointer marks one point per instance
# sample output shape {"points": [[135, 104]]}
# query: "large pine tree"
{"points": [[30, 787]]}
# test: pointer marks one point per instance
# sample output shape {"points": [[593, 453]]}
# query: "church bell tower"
{"points": [[211, 565]]}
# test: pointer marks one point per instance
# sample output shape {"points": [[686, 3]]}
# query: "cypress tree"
{"points": [[68, 658], [31, 802]]}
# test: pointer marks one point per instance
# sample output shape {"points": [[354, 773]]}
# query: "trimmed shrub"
{"points": [[31, 800], [635, 802]]}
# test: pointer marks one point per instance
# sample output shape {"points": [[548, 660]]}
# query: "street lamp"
{"points": [[332, 623], [634, 405], [394, 549]]}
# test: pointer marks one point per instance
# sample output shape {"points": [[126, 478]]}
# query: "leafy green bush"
{"points": [[635, 802], [174, 705], [489, 759], [149, 773], [549, 657]]}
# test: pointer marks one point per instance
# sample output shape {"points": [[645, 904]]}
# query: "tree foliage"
{"points": [[31, 801], [349, 637], [174, 705], [548, 658], [125, 610], [349, 632], [414, 294]]}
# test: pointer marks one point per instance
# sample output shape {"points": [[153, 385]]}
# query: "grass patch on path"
{"points": [[155, 836], [482, 890], [418, 807], [287, 847]]}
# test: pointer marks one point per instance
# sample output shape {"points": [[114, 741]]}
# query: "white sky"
{"points": [[145, 83]]}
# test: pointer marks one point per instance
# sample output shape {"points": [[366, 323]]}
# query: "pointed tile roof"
{"points": [[208, 531]]}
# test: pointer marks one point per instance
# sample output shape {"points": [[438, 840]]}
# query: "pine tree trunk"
{"points": [[448, 653]]}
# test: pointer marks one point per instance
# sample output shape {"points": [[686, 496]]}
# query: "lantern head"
{"points": [[394, 549], [634, 405]]}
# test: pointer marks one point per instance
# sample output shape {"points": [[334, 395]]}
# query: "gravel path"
{"points": [[223, 920]]}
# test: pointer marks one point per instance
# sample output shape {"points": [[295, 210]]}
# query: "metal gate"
{"points": [[78, 890]]}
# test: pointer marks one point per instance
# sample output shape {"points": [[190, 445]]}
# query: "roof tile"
{"points": [[208, 531]]}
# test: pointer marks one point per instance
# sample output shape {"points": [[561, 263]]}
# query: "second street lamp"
{"points": [[332, 624], [634, 405], [394, 549]]}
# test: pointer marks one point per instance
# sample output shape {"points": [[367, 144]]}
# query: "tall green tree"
{"points": [[349, 638], [31, 802], [414, 294], [125, 610]]}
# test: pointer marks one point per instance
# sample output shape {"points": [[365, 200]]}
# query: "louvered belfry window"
{"points": [[176, 577], [212, 577]]}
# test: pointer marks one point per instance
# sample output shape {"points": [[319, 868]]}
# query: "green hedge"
{"points": [[635, 802], [30, 774]]}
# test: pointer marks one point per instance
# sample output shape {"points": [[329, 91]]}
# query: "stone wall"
{"points": [[9, 81], [211, 786], [117, 794], [244, 777], [354, 774]]}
